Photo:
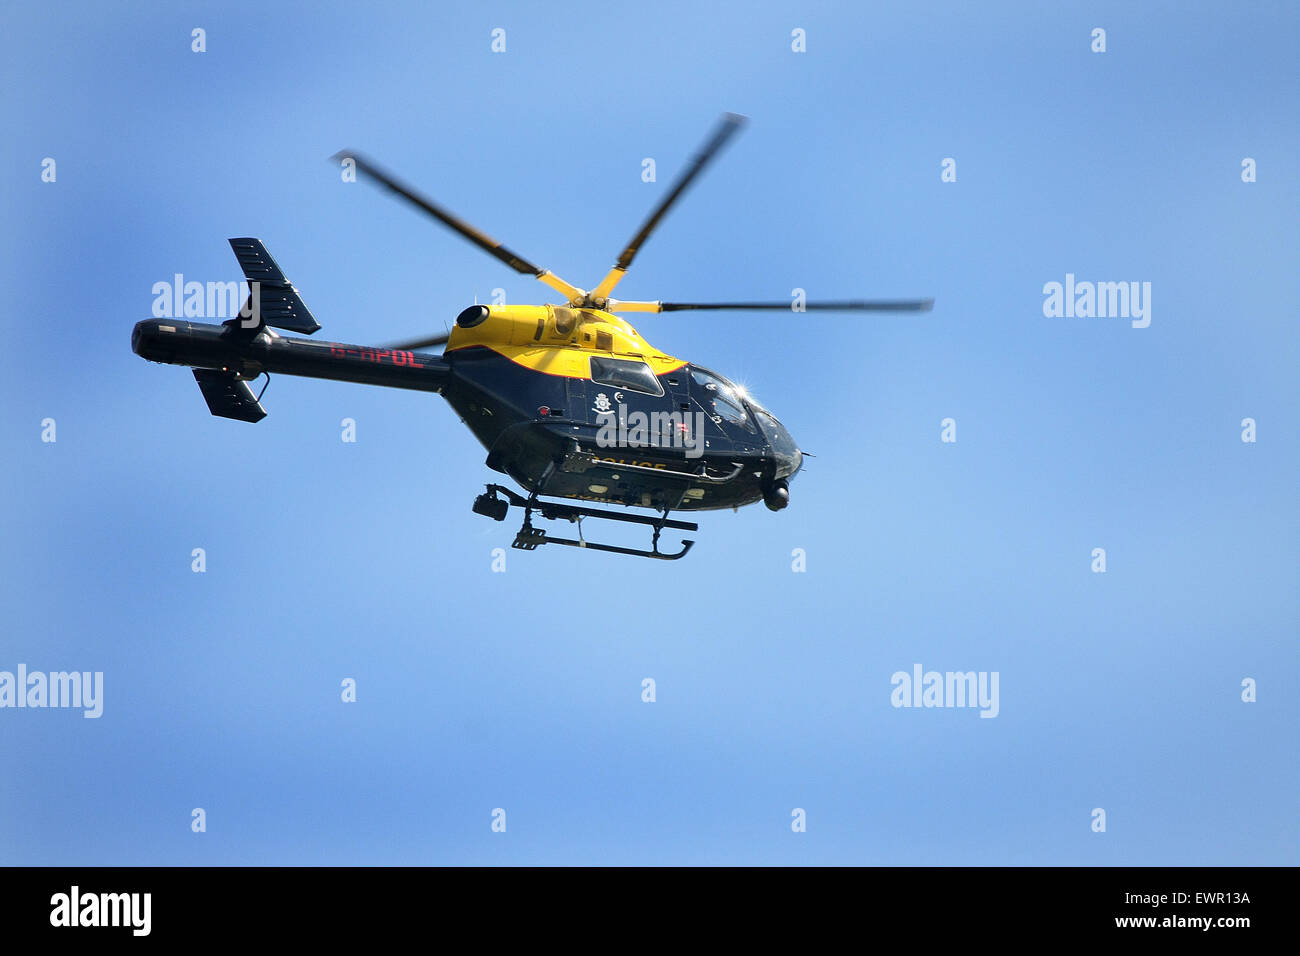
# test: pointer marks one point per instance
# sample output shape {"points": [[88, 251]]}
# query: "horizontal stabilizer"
{"points": [[228, 396], [280, 304]]}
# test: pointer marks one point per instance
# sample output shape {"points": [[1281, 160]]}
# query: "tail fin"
{"points": [[276, 301], [228, 396]]}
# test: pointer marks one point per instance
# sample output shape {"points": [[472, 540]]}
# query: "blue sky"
{"points": [[522, 690]]}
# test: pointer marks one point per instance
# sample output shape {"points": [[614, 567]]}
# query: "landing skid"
{"points": [[530, 538]]}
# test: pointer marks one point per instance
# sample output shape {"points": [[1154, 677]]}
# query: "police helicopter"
{"points": [[568, 398]]}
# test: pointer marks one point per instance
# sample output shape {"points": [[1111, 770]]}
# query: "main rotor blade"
{"points": [[845, 305], [424, 343], [727, 127], [480, 239]]}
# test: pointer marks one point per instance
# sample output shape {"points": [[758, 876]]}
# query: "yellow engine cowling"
{"points": [[554, 339]]}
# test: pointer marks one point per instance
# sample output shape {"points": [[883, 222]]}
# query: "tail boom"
{"points": [[243, 354]]}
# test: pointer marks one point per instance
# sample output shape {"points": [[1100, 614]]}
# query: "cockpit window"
{"points": [[781, 441], [718, 397], [622, 373]]}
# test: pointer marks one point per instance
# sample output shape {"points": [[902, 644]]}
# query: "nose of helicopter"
{"points": [[788, 459], [787, 464]]}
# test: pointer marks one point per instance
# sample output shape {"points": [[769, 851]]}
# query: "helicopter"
{"points": [[568, 398]]}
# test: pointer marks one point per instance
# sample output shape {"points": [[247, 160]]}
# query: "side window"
{"points": [[622, 373]]}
